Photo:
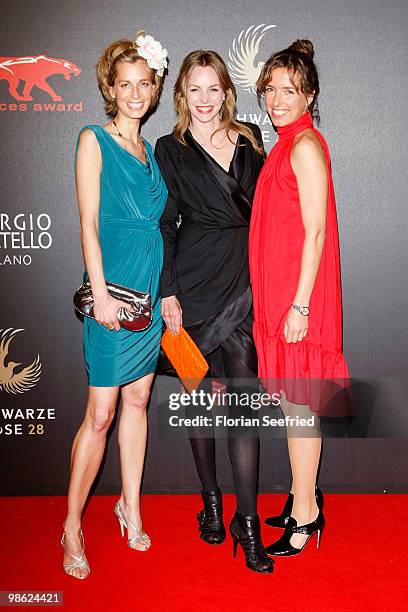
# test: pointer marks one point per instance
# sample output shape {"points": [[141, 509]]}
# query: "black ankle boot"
{"points": [[246, 530], [210, 522], [283, 517]]}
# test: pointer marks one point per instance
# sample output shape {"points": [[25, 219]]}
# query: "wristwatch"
{"points": [[304, 310]]}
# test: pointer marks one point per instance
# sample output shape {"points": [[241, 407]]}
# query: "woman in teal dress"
{"points": [[121, 196]]}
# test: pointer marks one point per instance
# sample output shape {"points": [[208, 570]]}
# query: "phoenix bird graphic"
{"points": [[9, 380], [242, 55]]}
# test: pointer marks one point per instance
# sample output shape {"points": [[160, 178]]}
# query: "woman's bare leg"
{"points": [[304, 444], [132, 443], [86, 456]]}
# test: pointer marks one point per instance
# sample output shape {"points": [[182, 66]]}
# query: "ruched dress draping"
{"points": [[303, 369], [132, 199], [205, 231]]}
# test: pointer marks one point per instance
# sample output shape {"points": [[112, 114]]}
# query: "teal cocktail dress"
{"points": [[132, 199]]}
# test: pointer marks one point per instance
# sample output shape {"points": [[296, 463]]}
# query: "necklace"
{"points": [[141, 141], [119, 132]]}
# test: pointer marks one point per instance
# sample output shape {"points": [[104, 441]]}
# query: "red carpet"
{"points": [[361, 565]]}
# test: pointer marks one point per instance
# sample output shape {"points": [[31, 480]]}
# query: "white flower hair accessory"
{"points": [[152, 51]]}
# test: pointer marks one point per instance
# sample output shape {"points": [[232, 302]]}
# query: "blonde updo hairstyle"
{"points": [[298, 59], [228, 109], [123, 50]]}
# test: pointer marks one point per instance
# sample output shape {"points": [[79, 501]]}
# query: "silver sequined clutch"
{"points": [[137, 318]]}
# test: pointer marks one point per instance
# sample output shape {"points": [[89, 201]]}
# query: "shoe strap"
{"points": [[128, 524], [80, 562], [307, 529], [140, 537]]}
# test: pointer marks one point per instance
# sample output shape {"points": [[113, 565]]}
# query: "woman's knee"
{"points": [[100, 417], [136, 400]]}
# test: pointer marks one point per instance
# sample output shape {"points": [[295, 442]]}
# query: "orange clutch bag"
{"points": [[185, 357]]}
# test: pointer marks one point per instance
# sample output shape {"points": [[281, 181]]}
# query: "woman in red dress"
{"points": [[295, 275]]}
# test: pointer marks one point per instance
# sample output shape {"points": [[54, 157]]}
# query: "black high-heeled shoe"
{"points": [[210, 523], [282, 518], [283, 547], [246, 530]]}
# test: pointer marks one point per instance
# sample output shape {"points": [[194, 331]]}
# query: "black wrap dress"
{"points": [[205, 228]]}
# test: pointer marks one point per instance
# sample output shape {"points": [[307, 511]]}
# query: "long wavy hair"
{"points": [[228, 109]]}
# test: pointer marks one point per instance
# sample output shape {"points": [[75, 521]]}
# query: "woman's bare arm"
{"points": [[309, 165], [88, 170]]}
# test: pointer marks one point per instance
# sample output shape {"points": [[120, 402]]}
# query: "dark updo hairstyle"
{"points": [[298, 59]]}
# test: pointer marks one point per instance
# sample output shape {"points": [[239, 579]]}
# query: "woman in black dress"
{"points": [[211, 163]]}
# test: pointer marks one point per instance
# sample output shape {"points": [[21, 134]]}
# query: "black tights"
{"points": [[243, 445]]}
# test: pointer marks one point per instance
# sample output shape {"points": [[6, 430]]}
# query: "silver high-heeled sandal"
{"points": [[141, 541], [79, 563]]}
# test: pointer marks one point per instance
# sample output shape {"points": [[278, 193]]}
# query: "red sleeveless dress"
{"points": [[303, 369]]}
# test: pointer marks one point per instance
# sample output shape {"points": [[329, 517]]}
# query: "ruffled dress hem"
{"points": [[307, 373]]}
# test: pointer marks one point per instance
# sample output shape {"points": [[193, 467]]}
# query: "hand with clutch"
{"points": [[172, 313], [119, 305], [185, 357], [106, 310]]}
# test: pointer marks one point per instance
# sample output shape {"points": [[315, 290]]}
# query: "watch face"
{"points": [[304, 311]]}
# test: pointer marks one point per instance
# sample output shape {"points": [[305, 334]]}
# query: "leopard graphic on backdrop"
{"points": [[34, 71]]}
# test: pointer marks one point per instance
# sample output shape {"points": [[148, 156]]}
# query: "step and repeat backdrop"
{"points": [[48, 91]]}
